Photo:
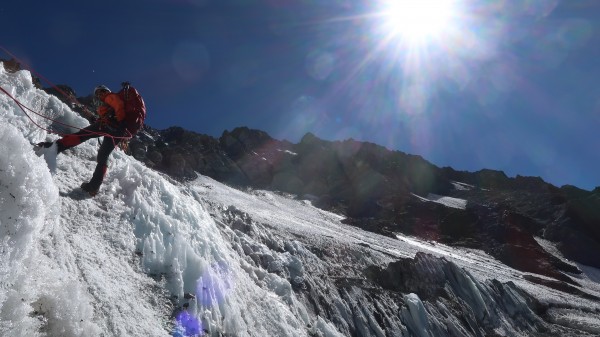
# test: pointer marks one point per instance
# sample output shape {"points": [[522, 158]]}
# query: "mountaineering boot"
{"points": [[93, 186], [91, 190], [49, 150], [60, 147], [44, 144]]}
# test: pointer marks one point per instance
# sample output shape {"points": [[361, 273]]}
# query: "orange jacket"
{"points": [[114, 102]]}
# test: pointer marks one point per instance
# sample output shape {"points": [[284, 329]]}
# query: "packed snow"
{"points": [[445, 200], [459, 186], [149, 256], [448, 201]]}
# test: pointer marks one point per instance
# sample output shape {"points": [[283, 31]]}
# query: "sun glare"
{"points": [[417, 20]]}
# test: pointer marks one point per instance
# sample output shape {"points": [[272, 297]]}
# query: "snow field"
{"points": [[119, 264], [35, 293]]}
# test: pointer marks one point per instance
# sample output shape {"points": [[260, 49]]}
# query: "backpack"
{"points": [[135, 108]]}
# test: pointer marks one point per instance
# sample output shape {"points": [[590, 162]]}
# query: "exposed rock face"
{"points": [[13, 65], [183, 154], [382, 191]]}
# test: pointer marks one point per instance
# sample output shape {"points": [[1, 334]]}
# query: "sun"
{"points": [[417, 21]]}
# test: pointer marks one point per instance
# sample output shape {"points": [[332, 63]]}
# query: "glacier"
{"points": [[150, 256]]}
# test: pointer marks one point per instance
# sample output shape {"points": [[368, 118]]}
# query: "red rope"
{"points": [[31, 70], [23, 108], [69, 97]]}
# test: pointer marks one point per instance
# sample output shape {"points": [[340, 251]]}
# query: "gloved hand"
{"points": [[107, 122]]}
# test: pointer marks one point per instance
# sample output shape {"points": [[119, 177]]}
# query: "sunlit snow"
{"points": [[152, 257], [462, 186], [444, 200]]}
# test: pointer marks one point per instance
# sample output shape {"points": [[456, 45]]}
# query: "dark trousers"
{"points": [[108, 145]]}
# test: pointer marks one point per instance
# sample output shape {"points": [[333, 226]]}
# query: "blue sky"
{"points": [[506, 85]]}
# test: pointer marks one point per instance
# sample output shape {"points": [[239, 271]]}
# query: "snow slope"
{"points": [[109, 265], [152, 257]]}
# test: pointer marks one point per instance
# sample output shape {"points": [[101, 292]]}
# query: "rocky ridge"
{"points": [[387, 192]]}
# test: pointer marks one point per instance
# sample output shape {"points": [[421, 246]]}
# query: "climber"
{"points": [[120, 115]]}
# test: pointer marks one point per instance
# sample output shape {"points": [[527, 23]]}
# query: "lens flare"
{"points": [[187, 325]]}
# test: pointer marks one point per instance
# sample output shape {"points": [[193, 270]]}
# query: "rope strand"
{"points": [[71, 98], [24, 107], [31, 70]]}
